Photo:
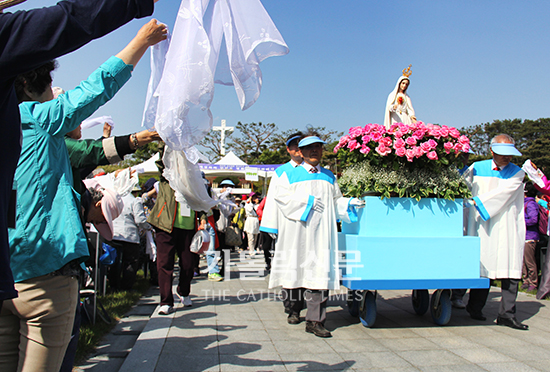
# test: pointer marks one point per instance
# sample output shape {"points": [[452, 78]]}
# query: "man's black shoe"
{"points": [[293, 318], [476, 316], [318, 329], [512, 323]]}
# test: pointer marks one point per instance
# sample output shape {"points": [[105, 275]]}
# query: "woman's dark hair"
{"points": [[36, 81], [530, 189]]}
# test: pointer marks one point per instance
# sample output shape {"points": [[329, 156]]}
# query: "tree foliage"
{"points": [[252, 140], [212, 143]]}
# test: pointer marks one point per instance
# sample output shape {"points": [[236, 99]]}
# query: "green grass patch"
{"points": [[116, 304]]}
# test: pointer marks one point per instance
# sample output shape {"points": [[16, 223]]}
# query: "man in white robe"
{"points": [[498, 220], [271, 213], [306, 253]]}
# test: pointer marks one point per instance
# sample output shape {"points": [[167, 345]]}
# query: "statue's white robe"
{"points": [[498, 218]]}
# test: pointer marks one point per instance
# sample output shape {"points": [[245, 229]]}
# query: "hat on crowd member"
{"points": [[310, 140], [505, 149], [111, 207], [227, 182], [149, 184]]}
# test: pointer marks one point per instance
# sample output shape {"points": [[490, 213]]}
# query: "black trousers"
{"points": [[509, 290]]}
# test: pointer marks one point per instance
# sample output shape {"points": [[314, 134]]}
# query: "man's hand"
{"points": [[145, 136], [107, 130], [152, 32]]}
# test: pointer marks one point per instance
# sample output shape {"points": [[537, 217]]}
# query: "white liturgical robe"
{"points": [[306, 251], [498, 218]]}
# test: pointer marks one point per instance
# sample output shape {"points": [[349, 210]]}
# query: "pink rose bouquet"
{"points": [[411, 160]]}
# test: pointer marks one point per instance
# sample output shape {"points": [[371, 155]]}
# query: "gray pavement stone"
{"points": [[239, 325], [377, 359]]}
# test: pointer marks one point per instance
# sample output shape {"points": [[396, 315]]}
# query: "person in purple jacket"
{"points": [[28, 39], [530, 271]]}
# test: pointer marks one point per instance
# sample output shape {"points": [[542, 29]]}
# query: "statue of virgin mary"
{"points": [[399, 107]]}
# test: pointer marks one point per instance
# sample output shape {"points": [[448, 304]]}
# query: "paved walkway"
{"points": [[238, 325]]}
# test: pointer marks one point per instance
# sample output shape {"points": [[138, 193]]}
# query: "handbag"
{"points": [[233, 236]]}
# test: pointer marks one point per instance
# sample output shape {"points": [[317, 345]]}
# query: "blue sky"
{"points": [[472, 62]]}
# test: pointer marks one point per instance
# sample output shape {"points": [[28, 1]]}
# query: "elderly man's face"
{"points": [[501, 160], [312, 154]]}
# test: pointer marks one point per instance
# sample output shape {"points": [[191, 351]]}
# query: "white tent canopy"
{"points": [[229, 165]]}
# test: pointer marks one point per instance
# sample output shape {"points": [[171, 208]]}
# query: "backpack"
{"points": [[543, 220]]}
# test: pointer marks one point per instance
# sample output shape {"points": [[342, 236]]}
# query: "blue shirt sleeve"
{"points": [[68, 110]]}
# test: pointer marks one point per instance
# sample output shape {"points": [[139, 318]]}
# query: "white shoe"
{"points": [[458, 304], [165, 310], [186, 301]]}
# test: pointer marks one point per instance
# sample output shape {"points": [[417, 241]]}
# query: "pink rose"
{"points": [[386, 141], [399, 143], [380, 129], [453, 132], [376, 136], [367, 129], [383, 150], [411, 141], [448, 146], [400, 151], [444, 131], [398, 134], [366, 138], [464, 140], [404, 128], [433, 144], [410, 154], [355, 131], [336, 148], [364, 150], [458, 147], [432, 155], [418, 134], [466, 148], [394, 127], [418, 151], [343, 140], [425, 146], [353, 144]]}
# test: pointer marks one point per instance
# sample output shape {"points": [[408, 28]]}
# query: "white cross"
{"points": [[223, 129]]}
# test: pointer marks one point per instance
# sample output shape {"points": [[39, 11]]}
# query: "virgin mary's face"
{"points": [[403, 85]]}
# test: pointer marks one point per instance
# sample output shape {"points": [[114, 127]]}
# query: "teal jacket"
{"points": [[48, 231]]}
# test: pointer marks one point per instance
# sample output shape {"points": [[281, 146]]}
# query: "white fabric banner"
{"points": [[186, 88], [92, 122]]}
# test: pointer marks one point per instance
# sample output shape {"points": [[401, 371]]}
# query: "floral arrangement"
{"points": [[408, 160]]}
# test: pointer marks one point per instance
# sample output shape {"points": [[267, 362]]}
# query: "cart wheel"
{"points": [[421, 301], [367, 310], [353, 303], [441, 307]]}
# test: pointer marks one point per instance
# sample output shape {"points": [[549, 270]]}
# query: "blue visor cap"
{"points": [[227, 182], [505, 149], [310, 140], [291, 139]]}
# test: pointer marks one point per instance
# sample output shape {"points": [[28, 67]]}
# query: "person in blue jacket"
{"points": [[48, 243], [27, 40]]}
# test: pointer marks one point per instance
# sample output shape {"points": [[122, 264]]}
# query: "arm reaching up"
{"points": [[150, 34]]}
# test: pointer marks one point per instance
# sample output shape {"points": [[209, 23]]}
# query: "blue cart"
{"points": [[401, 243]]}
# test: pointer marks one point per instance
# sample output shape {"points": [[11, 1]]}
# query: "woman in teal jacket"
{"points": [[48, 243]]}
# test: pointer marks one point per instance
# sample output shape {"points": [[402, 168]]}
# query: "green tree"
{"points": [[253, 139], [212, 143]]}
